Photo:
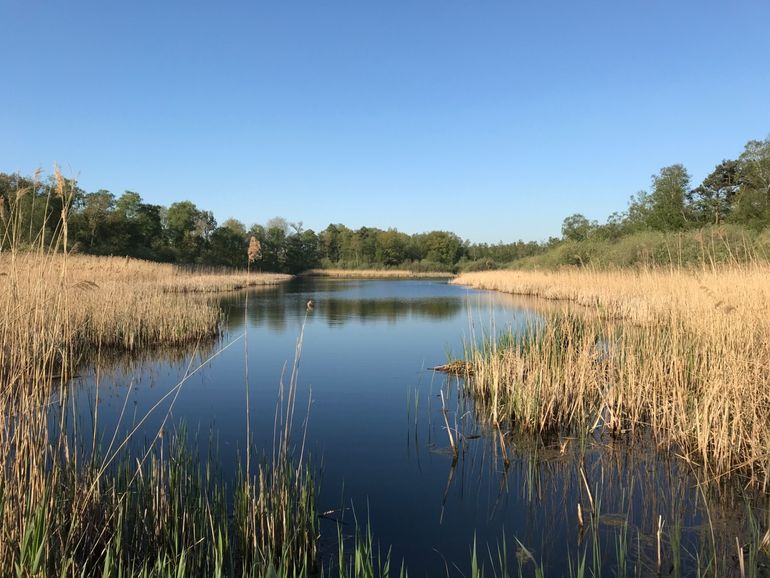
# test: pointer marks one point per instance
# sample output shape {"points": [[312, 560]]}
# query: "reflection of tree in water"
{"points": [[265, 307], [275, 312], [119, 364], [337, 311]]}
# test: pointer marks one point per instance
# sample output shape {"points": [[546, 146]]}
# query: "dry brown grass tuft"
{"points": [[684, 354]]}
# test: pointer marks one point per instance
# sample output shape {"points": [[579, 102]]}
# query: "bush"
{"points": [[426, 266], [486, 264]]}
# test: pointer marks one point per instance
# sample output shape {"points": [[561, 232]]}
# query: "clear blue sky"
{"points": [[492, 119]]}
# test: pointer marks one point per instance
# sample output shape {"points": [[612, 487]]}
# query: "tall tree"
{"points": [[273, 244], [753, 206], [331, 242], [149, 224], [188, 230], [669, 190], [712, 200], [302, 251], [392, 247], [96, 211], [576, 227], [235, 226], [226, 247], [441, 247]]}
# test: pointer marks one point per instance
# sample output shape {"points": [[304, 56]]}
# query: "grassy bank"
{"points": [[681, 354], [722, 245], [376, 274]]}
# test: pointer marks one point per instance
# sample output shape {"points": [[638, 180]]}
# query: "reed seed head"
{"points": [[255, 249]]}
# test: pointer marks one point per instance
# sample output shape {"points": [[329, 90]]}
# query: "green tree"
{"points": [[302, 251], [613, 229], [669, 190], [235, 226], [331, 242], [128, 205], [366, 246], [440, 247], [188, 229], [18, 195], [272, 238], [576, 227], [640, 207], [664, 209], [712, 200], [149, 226], [31, 208], [392, 247], [753, 197], [96, 211], [227, 247]]}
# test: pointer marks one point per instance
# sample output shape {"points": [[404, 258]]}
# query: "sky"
{"points": [[492, 119]]}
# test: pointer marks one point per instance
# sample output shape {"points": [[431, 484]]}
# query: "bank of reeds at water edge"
{"points": [[682, 355]]}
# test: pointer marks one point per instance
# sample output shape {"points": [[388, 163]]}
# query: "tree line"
{"points": [[99, 223], [736, 192]]}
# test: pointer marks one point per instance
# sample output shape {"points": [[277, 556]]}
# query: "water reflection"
{"points": [[340, 301], [642, 511], [337, 312]]}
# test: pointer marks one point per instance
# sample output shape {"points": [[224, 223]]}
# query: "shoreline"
{"points": [[375, 274]]}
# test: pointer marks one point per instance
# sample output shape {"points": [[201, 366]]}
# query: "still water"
{"points": [[371, 409]]}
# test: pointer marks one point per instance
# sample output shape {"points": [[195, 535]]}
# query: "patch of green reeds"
{"points": [[166, 516], [171, 517]]}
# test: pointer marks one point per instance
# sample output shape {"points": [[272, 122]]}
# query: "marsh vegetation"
{"points": [[615, 422], [681, 354]]}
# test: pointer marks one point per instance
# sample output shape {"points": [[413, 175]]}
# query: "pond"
{"points": [[369, 410]]}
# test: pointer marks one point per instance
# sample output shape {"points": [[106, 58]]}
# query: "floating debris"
{"points": [[456, 367]]}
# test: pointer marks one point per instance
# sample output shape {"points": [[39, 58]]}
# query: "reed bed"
{"points": [[218, 283], [69, 507], [376, 274], [83, 303], [685, 355]]}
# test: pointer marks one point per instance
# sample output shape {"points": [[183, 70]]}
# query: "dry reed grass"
{"points": [[684, 354], [110, 302], [375, 274], [68, 510]]}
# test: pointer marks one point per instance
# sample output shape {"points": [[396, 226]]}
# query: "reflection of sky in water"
{"points": [[366, 353]]}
